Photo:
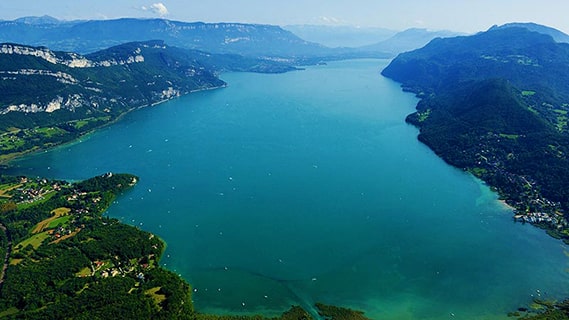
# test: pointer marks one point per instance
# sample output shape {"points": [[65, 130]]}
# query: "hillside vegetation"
{"points": [[496, 104]]}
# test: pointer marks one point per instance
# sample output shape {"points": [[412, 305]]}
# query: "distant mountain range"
{"points": [[250, 40], [89, 36], [341, 36], [497, 104], [369, 39], [407, 40]]}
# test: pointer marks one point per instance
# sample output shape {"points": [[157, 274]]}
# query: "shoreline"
{"points": [[504, 204], [5, 160]]}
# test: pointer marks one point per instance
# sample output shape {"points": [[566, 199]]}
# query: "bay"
{"points": [[309, 187]]}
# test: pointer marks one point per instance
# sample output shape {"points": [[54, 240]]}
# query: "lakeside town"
{"points": [[521, 193]]}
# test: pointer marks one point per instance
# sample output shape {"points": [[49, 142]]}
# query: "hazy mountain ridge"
{"points": [[529, 59], [496, 104], [89, 36], [409, 39], [556, 34], [45, 19], [251, 40], [341, 36]]}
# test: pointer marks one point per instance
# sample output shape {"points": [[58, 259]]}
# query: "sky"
{"points": [[456, 15]]}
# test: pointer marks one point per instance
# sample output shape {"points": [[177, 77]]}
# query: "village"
{"points": [[521, 193], [66, 222]]}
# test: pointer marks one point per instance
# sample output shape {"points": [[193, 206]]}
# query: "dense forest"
{"points": [[67, 261]]}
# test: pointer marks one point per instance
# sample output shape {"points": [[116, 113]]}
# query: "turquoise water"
{"points": [[309, 186]]}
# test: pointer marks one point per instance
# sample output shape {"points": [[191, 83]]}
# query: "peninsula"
{"points": [[63, 259]]}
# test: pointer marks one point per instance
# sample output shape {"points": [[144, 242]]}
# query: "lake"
{"points": [[310, 187]]}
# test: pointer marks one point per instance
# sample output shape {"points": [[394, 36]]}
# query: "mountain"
{"points": [[89, 36], [49, 97], [38, 20], [531, 60], [340, 36], [409, 39], [556, 34], [497, 104], [132, 74]]}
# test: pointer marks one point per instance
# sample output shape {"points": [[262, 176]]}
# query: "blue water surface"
{"points": [[310, 187]]}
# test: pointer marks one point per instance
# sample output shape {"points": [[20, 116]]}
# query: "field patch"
{"points": [[4, 189], [67, 236], [85, 272], [157, 297], [35, 241], [60, 216]]}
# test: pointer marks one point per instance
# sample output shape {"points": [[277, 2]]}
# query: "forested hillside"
{"points": [[496, 104]]}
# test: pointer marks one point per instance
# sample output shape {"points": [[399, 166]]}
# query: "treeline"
{"points": [[51, 290], [112, 182], [108, 239]]}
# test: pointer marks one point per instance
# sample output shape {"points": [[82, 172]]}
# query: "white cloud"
{"points": [[158, 8], [328, 20]]}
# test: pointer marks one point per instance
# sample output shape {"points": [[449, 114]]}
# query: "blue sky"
{"points": [[456, 15]]}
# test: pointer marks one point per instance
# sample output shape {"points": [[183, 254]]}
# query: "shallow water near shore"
{"points": [[309, 187]]}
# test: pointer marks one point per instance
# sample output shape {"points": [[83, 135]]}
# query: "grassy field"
{"points": [[10, 142], [78, 124], [59, 221], [60, 215], [528, 93], [15, 142], [15, 262], [4, 189], [509, 136], [158, 298], [49, 132], [85, 272], [35, 240]]}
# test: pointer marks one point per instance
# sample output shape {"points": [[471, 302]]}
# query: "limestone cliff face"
{"points": [[69, 59], [37, 79], [70, 102]]}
